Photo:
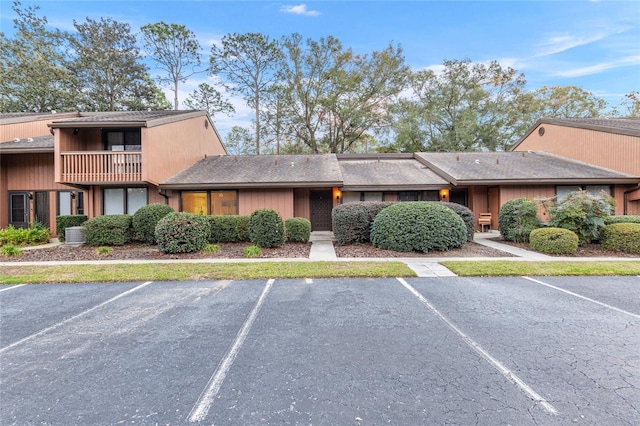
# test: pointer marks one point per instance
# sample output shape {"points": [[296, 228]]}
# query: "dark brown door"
{"points": [[19, 209], [321, 205]]}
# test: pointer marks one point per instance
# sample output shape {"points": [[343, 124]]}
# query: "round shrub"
{"points": [[352, 221], [297, 229], [109, 230], [621, 237], [145, 220], [466, 215], [517, 218], [553, 240], [418, 226], [180, 232], [266, 228]]}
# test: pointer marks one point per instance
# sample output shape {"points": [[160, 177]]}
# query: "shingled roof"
{"points": [[28, 145], [488, 168], [258, 171], [387, 173], [126, 118]]}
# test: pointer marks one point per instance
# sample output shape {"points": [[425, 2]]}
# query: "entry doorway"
{"points": [[19, 209], [321, 206]]}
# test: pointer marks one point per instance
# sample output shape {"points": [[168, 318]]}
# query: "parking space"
{"points": [[366, 351]]}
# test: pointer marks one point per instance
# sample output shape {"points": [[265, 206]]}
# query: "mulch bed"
{"points": [[586, 250]]}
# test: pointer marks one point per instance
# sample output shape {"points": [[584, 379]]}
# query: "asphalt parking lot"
{"points": [[421, 351]]}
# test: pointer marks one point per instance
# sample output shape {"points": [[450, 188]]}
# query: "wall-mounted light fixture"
{"points": [[76, 131], [72, 195], [31, 195], [338, 194], [444, 194]]}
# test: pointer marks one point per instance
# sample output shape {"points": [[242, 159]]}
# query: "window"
{"points": [[64, 203], [373, 196], [350, 197], [123, 200], [210, 202], [408, 196], [122, 140], [563, 191]]}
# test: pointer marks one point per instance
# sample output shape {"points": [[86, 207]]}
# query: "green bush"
{"points": [[621, 237], [517, 218], [266, 228], [34, 234], [297, 229], [181, 232], [64, 222], [553, 241], [9, 250], [109, 230], [228, 228], [252, 251], [418, 226], [352, 221], [621, 219], [145, 220], [466, 215], [581, 213]]}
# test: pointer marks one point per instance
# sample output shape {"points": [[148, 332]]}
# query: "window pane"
{"points": [[408, 196], [349, 197], [136, 198], [563, 191], [373, 196], [224, 202], [80, 202], [194, 202], [596, 189], [64, 203], [114, 201]]}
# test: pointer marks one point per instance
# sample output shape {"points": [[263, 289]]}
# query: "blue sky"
{"points": [[591, 44]]}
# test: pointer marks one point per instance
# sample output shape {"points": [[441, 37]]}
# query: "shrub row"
{"points": [[228, 228], [621, 219], [182, 232], [621, 237], [109, 230], [352, 221], [34, 234], [67, 221]]}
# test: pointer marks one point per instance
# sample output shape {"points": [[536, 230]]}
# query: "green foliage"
{"points": [[297, 229], [109, 230], [211, 248], [34, 234], [145, 220], [266, 228], [553, 240], [9, 250], [252, 251], [352, 221], [418, 226], [104, 250], [621, 237], [228, 228], [517, 218], [579, 212], [621, 219], [180, 232], [64, 222], [466, 215]]}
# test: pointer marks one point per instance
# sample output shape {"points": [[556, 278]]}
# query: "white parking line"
{"points": [[208, 395], [13, 286], [506, 372], [61, 323], [583, 297]]}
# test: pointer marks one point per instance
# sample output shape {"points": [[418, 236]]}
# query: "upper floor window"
{"points": [[121, 139]]}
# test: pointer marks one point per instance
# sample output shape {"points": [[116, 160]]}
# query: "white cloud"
{"points": [[601, 67], [561, 43], [300, 9]]}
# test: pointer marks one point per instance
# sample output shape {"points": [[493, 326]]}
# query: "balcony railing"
{"points": [[101, 166]]}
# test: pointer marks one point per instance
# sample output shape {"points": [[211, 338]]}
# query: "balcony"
{"points": [[101, 167]]}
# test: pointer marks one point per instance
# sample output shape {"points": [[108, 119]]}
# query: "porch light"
{"points": [[444, 194]]}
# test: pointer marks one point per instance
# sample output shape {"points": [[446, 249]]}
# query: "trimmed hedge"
{"points": [[418, 226], [553, 240], [67, 221], [621, 237], [146, 218], [352, 221], [266, 228], [297, 229], [465, 214], [228, 228], [109, 230], [181, 232], [621, 219], [517, 218]]}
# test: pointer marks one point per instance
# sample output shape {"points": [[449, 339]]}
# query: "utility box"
{"points": [[73, 236]]}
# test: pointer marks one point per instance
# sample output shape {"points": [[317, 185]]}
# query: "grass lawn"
{"points": [[558, 268], [199, 271]]}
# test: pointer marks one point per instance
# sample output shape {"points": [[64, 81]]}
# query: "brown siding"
{"points": [[613, 151], [31, 129], [281, 200], [30, 172], [529, 191], [301, 206], [169, 148]]}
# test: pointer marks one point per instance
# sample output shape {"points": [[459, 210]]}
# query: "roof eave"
{"points": [[247, 185]]}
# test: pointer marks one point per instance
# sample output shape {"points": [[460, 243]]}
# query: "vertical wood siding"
{"points": [[528, 191], [301, 206], [613, 151], [280, 200], [30, 129]]}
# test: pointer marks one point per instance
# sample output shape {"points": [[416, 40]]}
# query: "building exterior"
{"points": [[115, 162]]}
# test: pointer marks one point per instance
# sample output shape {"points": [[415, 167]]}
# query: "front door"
{"points": [[41, 208], [19, 209], [321, 206]]}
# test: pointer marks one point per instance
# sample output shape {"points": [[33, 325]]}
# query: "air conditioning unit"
{"points": [[73, 236]]}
